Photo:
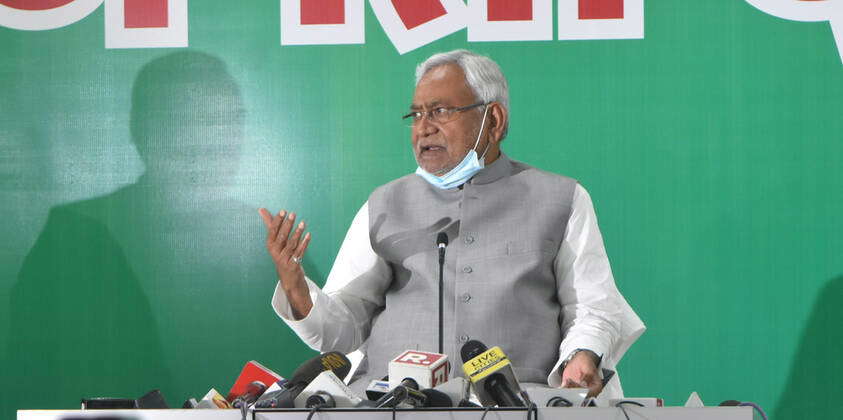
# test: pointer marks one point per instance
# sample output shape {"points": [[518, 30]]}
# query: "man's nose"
{"points": [[425, 127]]}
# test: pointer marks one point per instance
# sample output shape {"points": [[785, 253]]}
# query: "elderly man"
{"points": [[526, 268]]}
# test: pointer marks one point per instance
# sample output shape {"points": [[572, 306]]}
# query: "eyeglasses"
{"points": [[439, 115]]}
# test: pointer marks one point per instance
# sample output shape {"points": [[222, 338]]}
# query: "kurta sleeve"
{"points": [[594, 314]]}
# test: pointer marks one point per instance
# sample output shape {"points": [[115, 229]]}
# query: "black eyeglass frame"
{"points": [[446, 112]]}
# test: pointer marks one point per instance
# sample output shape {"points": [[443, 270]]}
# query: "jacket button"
{"points": [[463, 338], [467, 269], [469, 240], [466, 297]]}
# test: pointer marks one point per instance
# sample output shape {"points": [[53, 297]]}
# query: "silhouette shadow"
{"points": [[120, 290], [816, 373]]}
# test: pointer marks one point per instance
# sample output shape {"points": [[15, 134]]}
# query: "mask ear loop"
{"points": [[476, 143]]}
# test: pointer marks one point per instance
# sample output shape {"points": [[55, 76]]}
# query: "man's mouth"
{"points": [[432, 149]]}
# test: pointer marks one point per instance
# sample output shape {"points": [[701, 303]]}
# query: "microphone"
{"points": [[326, 383], [376, 389], [406, 393], [457, 389], [437, 399], [490, 371], [271, 392], [320, 399], [152, 399], [441, 243], [253, 392], [305, 374], [252, 371], [427, 369], [213, 399]]}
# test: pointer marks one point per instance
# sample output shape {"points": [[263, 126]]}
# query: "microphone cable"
{"points": [[755, 407], [623, 410], [313, 411], [533, 410]]}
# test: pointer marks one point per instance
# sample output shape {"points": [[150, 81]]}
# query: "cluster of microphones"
{"points": [[415, 379]]}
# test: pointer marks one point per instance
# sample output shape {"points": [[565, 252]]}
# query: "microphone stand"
{"points": [[441, 243]]}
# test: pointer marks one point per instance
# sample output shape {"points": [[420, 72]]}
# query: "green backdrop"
{"points": [[132, 252]]}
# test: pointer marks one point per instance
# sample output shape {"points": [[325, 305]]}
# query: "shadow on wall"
{"points": [[121, 289], [816, 373]]}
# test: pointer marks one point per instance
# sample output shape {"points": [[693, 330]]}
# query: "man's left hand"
{"points": [[581, 372]]}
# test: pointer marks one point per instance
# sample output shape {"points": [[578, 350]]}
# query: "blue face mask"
{"points": [[461, 173]]}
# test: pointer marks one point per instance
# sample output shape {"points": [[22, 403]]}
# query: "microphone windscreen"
{"points": [[310, 369], [437, 399], [442, 239], [471, 349]]}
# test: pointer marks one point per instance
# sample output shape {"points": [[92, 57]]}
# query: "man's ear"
{"points": [[498, 119]]}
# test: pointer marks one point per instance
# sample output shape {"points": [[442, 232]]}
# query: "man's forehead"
{"points": [[441, 85]]}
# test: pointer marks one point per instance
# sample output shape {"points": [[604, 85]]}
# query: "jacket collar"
{"points": [[501, 167]]}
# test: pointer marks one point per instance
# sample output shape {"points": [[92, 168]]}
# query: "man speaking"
{"points": [[525, 269]]}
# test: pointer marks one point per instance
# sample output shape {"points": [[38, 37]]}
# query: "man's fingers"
{"points": [[272, 231], [299, 252], [570, 383], [594, 388], [284, 230], [293, 242], [266, 216]]}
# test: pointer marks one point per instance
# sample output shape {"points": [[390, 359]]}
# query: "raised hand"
{"points": [[287, 252]]}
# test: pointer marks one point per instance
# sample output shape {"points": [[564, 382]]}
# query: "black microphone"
{"points": [[407, 391], [305, 374], [441, 243], [491, 374], [437, 398], [253, 392], [152, 399]]}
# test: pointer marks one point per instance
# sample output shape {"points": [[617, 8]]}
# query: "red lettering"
{"points": [[35, 4], [417, 12], [504, 10], [601, 9], [145, 13], [322, 12]]}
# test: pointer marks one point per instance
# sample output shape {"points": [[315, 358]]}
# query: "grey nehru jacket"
{"points": [[505, 227]]}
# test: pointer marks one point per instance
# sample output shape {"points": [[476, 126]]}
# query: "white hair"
{"points": [[482, 75]]}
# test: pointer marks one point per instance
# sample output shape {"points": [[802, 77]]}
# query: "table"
{"points": [[590, 413]]}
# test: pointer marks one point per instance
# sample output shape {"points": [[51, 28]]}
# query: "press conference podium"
{"points": [[635, 413]]}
